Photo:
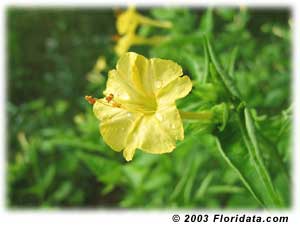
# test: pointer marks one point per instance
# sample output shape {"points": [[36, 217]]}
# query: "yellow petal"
{"points": [[169, 118], [100, 64], [134, 68], [123, 44], [116, 124], [163, 72], [147, 76], [127, 21], [120, 87], [176, 89], [126, 93], [128, 152], [151, 22], [152, 137], [156, 133]]}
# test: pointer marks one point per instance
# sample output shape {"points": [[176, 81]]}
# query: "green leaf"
{"points": [[193, 64], [187, 194], [43, 183], [62, 192], [207, 92], [232, 60], [106, 170], [204, 186], [255, 154], [227, 81], [241, 165], [135, 174], [238, 146], [225, 189], [206, 62], [207, 21]]}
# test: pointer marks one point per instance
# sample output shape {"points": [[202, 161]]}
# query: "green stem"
{"points": [[204, 115]]}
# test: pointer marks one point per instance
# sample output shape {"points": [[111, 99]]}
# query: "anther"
{"points": [[115, 104], [90, 99], [109, 97]]}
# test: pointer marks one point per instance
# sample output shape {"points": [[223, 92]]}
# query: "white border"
{"points": [[132, 217]]}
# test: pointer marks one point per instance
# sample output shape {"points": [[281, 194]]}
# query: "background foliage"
{"points": [[56, 157]]}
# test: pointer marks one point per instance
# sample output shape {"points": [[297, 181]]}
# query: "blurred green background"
{"points": [[55, 155]]}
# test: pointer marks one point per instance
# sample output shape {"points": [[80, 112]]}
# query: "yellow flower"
{"points": [[128, 21], [139, 110], [94, 75], [124, 43], [100, 64]]}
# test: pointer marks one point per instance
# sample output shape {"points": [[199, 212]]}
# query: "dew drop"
{"points": [[158, 84], [107, 117], [129, 114], [159, 117], [125, 97]]}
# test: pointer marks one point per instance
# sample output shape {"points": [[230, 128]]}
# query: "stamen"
{"points": [[109, 97], [115, 104], [108, 101], [90, 99]]}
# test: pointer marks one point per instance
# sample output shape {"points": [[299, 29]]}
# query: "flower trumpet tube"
{"points": [[205, 115], [139, 110], [125, 42], [128, 21]]}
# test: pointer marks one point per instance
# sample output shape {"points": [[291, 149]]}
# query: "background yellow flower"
{"points": [[127, 24], [129, 20]]}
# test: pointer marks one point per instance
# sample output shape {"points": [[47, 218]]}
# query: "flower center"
{"points": [[142, 104], [149, 106]]}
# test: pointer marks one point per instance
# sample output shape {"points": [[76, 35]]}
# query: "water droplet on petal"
{"points": [[159, 117], [129, 114], [125, 97], [173, 126], [158, 84]]}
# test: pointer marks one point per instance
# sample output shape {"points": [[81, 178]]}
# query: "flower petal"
{"points": [[127, 95], [123, 44], [116, 124], [127, 21], [170, 120], [153, 137], [163, 72], [120, 88], [176, 89], [134, 69], [156, 134]]}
